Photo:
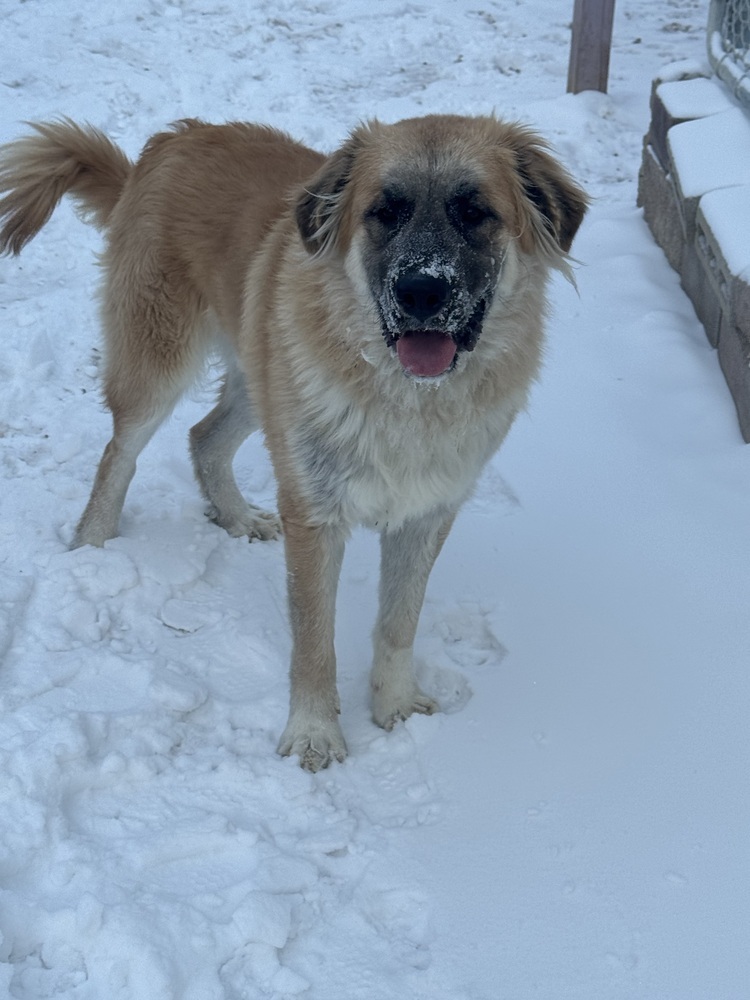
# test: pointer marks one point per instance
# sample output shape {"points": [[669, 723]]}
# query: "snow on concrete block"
{"points": [[726, 216], [700, 97], [683, 69], [708, 154], [711, 153], [681, 101]]}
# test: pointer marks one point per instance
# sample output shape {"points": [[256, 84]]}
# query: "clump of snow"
{"points": [[574, 825]]}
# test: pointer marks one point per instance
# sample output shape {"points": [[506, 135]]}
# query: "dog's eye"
{"points": [[391, 213], [468, 213], [387, 215]]}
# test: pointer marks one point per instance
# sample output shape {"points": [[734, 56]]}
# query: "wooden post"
{"points": [[590, 45]]}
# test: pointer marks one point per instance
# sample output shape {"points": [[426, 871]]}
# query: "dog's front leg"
{"points": [[313, 558], [407, 557]]}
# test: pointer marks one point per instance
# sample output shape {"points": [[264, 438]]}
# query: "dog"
{"points": [[380, 315]]}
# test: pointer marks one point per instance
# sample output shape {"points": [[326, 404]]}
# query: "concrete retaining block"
{"points": [[661, 207], [694, 187], [734, 358]]}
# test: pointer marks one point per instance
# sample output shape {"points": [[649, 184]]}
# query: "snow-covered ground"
{"points": [[577, 823]]}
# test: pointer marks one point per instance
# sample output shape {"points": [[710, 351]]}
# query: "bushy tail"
{"points": [[63, 158]]}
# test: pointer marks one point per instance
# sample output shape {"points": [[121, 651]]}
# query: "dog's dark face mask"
{"points": [[433, 256], [441, 200]]}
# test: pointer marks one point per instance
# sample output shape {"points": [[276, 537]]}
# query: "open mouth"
{"points": [[430, 353], [426, 353]]}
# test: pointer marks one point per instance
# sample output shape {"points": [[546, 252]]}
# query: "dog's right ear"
{"points": [[320, 206]]}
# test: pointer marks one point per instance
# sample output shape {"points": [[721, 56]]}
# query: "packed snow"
{"points": [[576, 822]]}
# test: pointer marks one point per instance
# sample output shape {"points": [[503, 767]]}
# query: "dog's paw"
{"points": [[316, 745], [391, 706], [251, 521]]}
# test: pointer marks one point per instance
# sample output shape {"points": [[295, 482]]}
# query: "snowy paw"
{"points": [[390, 706], [316, 744], [252, 521]]}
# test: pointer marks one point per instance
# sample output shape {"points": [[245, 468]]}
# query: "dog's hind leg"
{"points": [[154, 352], [101, 517], [213, 444]]}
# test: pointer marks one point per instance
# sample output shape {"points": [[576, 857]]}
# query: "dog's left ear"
{"points": [[319, 208], [551, 191]]}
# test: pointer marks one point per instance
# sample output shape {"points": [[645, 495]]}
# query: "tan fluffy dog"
{"points": [[380, 312]]}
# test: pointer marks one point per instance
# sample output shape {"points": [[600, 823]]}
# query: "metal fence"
{"points": [[729, 44]]}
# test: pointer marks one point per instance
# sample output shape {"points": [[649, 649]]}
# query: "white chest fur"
{"points": [[381, 461]]}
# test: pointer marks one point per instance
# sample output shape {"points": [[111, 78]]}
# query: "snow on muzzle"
{"points": [[429, 317]]}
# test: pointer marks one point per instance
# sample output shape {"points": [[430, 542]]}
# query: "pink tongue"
{"points": [[425, 353]]}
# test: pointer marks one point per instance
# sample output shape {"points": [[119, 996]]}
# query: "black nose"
{"points": [[421, 295]]}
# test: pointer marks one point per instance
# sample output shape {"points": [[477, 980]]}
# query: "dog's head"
{"points": [[430, 210]]}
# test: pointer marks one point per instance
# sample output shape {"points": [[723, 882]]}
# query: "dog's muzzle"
{"points": [[428, 324]]}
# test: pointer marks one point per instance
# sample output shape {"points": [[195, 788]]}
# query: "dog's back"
{"points": [[207, 195], [198, 201]]}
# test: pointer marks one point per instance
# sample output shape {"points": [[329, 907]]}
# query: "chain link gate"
{"points": [[729, 45]]}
